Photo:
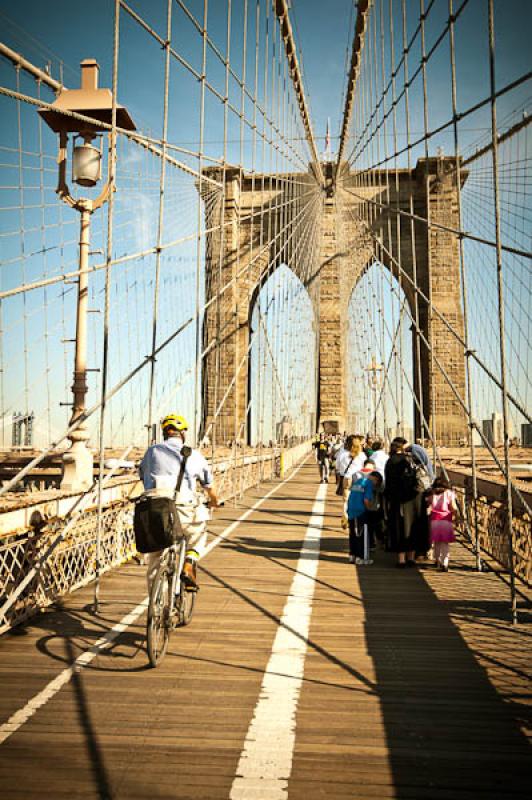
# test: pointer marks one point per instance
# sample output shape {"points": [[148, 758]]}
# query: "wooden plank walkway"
{"points": [[415, 685]]}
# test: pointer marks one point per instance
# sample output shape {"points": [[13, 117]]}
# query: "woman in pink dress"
{"points": [[442, 504]]}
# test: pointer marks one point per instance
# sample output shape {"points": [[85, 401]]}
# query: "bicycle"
{"points": [[171, 604]]}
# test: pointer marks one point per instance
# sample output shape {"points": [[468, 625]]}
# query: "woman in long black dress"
{"points": [[421, 531], [403, 501]]}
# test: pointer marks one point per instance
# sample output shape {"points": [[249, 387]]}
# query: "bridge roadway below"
{"points": [[410, 684]]}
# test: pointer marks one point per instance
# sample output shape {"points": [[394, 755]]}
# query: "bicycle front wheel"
{"points": [[159, 610]]}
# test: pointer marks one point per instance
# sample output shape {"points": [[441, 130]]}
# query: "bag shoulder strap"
{"points": [[347, 468], [185, 453]]}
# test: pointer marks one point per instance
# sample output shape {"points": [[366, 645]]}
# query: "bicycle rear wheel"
{"points": [[159, 608], [187, 601]]}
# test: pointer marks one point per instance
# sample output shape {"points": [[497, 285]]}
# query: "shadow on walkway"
{"points": [[449, 733]]}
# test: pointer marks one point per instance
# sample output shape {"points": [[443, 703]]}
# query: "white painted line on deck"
{"points": [[25, 713], [266, 760]]}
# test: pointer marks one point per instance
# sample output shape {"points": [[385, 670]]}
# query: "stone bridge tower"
{"points": [[268, 220]]}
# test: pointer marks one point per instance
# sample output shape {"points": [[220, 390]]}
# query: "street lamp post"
{"points": [[97, 105]]}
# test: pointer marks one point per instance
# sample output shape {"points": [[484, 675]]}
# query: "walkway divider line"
{"points": [[266, 760], [25, 713]]}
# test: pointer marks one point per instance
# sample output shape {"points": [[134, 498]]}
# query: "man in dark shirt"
{"points": [[322, 455]]}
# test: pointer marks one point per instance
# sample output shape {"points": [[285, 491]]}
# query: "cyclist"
{"points": [[159, 471]]}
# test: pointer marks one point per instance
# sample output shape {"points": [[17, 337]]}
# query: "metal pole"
{"points": [[80, 363], [77, 474]]}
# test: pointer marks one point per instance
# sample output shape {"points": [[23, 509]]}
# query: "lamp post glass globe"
{"points": [[86, 164]]}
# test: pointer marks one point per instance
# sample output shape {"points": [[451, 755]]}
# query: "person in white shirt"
{"points": [[353, 462], [342, 456], [379, 456]]}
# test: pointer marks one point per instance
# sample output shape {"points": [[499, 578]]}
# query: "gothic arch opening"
{"points": [[381, 358], [282, 365]]}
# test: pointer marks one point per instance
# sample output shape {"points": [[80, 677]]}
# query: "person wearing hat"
{"points": [[159, 471]]}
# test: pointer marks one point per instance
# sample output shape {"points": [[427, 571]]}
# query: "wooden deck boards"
{"points": [[415, 685]]}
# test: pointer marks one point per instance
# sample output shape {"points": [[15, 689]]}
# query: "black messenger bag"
{"points": [[155, 521], [155, 524]]}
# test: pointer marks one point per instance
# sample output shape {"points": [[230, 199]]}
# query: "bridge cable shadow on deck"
{"points": [[322, 651], [449, 733], [81, 629], [94, 752]]}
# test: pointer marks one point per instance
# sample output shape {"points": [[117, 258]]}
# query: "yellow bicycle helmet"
{"points": [[174, 421]]}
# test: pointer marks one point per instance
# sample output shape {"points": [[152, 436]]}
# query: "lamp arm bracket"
{"points": [[62, 186], [103, 196], [64, 193]]}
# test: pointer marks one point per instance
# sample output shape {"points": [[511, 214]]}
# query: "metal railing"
{"points": [[66, 564], [485, 526]]}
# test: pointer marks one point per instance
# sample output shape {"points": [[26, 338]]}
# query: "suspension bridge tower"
{"points": [[256, 227]]}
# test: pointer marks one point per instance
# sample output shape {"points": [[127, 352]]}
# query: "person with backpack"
{"points": [[336, 446], [404, 499], [374, 516], [170, 465], [359, 503], [442, 505], [425, 475]]}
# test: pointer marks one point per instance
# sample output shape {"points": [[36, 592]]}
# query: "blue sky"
{"points": [[74, 30], [69, 31]]}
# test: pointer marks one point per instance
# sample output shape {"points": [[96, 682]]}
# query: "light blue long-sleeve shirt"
{"points": [[164, 460]]}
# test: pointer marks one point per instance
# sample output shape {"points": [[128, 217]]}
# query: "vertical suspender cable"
{"points": [[434, 429], [197, 368], [160, 224], [107, 300], [463, 276], [501, 310]]}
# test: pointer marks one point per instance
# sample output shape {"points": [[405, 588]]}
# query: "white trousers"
{"points": [[441, 553], [195, 534]]}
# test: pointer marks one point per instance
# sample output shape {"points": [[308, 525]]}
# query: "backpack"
{"points": [[409, 485], [155, 521]]}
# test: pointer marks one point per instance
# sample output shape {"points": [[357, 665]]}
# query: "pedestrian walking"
{"points": [[322, 456], [353, 462], [404, 503], [379, 456], [374, 512], [442, 504], [359, 502], [425, 477]]}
